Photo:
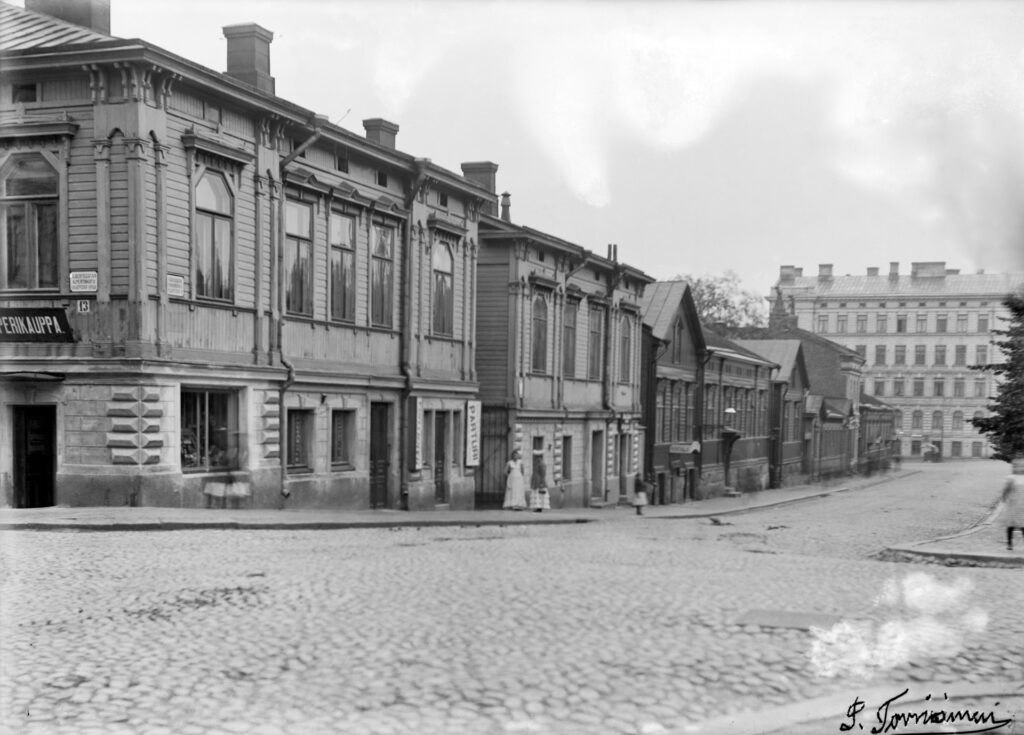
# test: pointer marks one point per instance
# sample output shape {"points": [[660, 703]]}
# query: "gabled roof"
{"points": [[22, 29], [786, 352], [725, 347], [659, 304]]}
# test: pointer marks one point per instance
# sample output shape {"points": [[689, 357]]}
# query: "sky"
{"points": [[699, 136]]}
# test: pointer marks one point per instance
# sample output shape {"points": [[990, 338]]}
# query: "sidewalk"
{"points": [[124, 518]]}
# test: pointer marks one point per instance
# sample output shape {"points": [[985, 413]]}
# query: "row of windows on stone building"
{"points": [[900, 324], [940, 388], [942, 356], [958, 421]]}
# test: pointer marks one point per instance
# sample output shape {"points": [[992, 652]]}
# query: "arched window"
{"points": [[215, 275], [540, 335], [958, 421], [444, 307], [28, 223], [916, 420], [625, 349], [898, 419], [383, 277], [937, 421]]}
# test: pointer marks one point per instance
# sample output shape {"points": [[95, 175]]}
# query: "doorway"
{"points": [[597, 465], [380, 450], [623, 468], [440, 457], [35, 456]]}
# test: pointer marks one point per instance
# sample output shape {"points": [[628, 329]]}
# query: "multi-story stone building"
{"points": [[918, 334], [558, 361], [210, 294]]}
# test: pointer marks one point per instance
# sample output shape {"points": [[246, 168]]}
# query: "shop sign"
{"points": [[417, 411], [84, 281], [175, 285], [473, 433], [35, 325]]}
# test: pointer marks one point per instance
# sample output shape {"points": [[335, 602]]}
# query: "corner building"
{"points": [[918, 333], [253, 307]]}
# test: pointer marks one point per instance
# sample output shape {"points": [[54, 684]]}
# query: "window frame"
{"points": [[296, 418], [443, 319], [201, 435], [595, 342], [570, 317], [31, 205], [214, 216], [539, 334], [343, 451], [625, 349], [342, 308], [386, 301], [295, 243]]}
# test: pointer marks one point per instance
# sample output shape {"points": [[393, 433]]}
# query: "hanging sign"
{"points": [[35, 325], [472, 433]]}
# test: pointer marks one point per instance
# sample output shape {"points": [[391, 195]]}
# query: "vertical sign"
{"points": [[417, 439], [472, 433]]}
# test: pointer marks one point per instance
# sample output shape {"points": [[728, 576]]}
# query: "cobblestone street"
{"points": [[631, 625]]}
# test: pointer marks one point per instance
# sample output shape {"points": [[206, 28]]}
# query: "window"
{"points": [[823, 323], [916, 421], [956, 449], [567, 457], [540, 335], [659, 412], [677, 342], [960, 355], [861, 350], [897, 387], [383, 277], [922, 323], [980, 355], [300, 440], [444, 302], [22, 93], [919, 354], [939, 387], [901, 355], [625, 349], [595, 343], [343, 268], [940, 354], [442, 199], [940, 323], [841, 323], [299, 255], [342, 438], [862, 322], [982, 322], [214, 262], [569, 339], [979, 388], [961, 323], [958, 388], [937, 421], [901, 322], [915, 447], [879, 354], [879, 387], [882, 323], [209, 430], [382, 179], [958, 421], [975, 449], [28, 208], [918, 387], [897, 419]]}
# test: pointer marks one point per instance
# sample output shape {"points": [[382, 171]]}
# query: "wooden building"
{"points": [[210, 295], [558, 362]]}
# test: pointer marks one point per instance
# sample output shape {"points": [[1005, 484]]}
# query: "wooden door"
{"points": [[380, 450], [440, 457], [35, 456]]}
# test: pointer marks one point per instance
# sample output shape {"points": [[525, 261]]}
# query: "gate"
{"points": [[494, 453]]}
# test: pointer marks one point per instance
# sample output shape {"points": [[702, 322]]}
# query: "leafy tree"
{"points": [[720, 299], [1005, 427]]}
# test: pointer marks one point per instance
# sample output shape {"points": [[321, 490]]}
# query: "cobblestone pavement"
{"points": [[640, 625]]}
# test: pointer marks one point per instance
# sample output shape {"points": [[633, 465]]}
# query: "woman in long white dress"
{"points": [[1013, 502], [515, 493]]}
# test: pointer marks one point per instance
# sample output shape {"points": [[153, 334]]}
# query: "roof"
{"points": [[781, 351], [872, 403], [659, 304], [22, 29], [724, 347], [992, 285]]}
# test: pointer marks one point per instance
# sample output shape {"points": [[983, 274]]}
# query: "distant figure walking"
{"points": [[1013, 501], [539, 496], [641, 494], [515, 491]]}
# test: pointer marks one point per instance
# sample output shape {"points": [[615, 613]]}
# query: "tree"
{"points": [[720, 299], [1005, 427]]}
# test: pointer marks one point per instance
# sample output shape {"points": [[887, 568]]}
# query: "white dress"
{"points": [[515, 494]]}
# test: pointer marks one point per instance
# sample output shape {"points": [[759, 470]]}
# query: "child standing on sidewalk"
{"points": [[640, 495]]}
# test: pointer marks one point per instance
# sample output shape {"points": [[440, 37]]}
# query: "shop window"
{"points": [[215, 273], [343, 268], [299, 258], [383, 279], [569, 340], [209, 430], [343, 424], [540, 335], [300, 440], [444, 303], [28, 207]]}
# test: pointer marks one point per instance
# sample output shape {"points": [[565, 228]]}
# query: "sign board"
{"points": [[35, 325], [175, 285], [83, 306], [473, 433], [84, 281], [417, 442]]}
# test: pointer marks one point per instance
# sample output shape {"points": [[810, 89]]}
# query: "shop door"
{"points": [[35, 456], [597, 465], [379, 454], [440, 455]]}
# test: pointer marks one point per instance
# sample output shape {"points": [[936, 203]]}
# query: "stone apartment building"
{"points": [[918, 334], [210, 295]]}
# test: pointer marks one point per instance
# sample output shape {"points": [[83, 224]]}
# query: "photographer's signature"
{"points": [[963, 719]]}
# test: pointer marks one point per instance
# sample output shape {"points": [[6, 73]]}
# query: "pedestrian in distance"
{"points": [[1013, 501], [539, 496], [515, 491], [640, 495]]}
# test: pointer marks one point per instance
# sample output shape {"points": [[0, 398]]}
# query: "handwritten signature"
{"points": [[888, 721]]}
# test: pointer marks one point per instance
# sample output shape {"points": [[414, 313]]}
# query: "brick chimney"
{"points": [[485, 174], [787, 273], [506, 205], [92, 14], [872, 272], [894, 270], [249, 55], [380, 131], [825, 272]]}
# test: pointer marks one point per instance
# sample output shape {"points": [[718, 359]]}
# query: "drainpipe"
{"points": [[701, 375], [318, 122]]}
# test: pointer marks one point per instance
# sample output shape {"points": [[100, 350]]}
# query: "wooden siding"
{"points": [[81, 206], [120, 265], [492, 331]]}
